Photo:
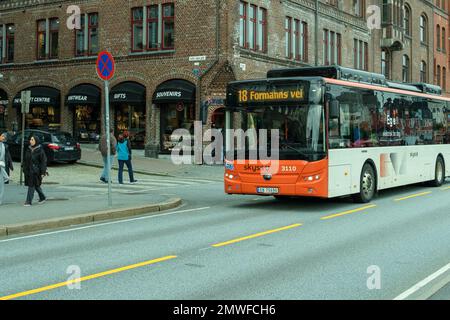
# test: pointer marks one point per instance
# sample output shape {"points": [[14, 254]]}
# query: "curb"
{"points": [[148, 173], [14, 229]]}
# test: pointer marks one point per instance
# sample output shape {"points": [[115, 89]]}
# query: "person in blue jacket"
{"points": [[124, 157]]}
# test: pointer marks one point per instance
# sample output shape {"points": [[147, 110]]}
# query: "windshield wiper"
{"points": [[296, 150]]}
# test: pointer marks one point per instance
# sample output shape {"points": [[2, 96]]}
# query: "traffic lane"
{"points": [[380, 215], [329, 262], [76, 246]]}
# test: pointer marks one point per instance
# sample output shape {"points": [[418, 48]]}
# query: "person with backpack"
{"points": [[124, 158]]}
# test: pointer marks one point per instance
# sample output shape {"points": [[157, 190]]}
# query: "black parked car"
{"points": [[58, 146]]}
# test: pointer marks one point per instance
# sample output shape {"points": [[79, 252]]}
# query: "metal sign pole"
{"points": [[25, 104], [105, 70], [22, 148], [108, 142]]}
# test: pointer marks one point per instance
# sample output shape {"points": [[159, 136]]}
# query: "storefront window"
{"points": [[87, 123], [131, 118], [45, 108], [84, 100], [43, 117], [175, 116], [128, 101]]}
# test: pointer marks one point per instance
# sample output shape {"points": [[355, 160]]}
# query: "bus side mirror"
{"points": [[334, 109]]}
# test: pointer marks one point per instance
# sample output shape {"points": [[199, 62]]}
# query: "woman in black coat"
{"points": [[34, 168]]}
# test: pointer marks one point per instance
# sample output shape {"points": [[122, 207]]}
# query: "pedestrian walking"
{"points": [[9, 163], [124, 158], [34, 169], [103, 147], [5, 165]]}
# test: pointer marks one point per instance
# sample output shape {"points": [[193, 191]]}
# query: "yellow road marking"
{"points": [[414, 196], [256, 235], [94, 276], [347, 212]]}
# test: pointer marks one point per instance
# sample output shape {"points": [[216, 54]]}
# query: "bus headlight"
{"points": [[312, 178]]}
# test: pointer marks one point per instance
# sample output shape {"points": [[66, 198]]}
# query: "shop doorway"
{"points": [[128, 100], [176, 101], [85, 102]]}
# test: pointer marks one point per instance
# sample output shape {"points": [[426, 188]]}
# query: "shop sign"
{"points": [[34, 100], [120, 96], [168, 94], [77, 98]]}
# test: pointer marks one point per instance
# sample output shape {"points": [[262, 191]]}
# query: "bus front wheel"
{"points": [[367, 185], [439, 176]]}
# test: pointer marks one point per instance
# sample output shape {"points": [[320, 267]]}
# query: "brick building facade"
{"points": [[174, 58]]}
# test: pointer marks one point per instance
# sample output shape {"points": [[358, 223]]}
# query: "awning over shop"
{"points": [[174, 91], [128, 92], [3, 98], [40, 96], [83, 94]]}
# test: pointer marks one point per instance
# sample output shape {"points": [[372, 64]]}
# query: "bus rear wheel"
{"points": [[367, 185], [439, 176]]}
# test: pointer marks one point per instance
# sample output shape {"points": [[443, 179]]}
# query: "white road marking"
{"points": [[422, 283], [105, 224]]}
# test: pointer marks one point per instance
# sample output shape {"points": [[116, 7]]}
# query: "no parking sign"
{"points": [[106, 67]]}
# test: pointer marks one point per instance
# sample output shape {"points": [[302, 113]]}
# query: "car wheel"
{"points": [[368, 185]]}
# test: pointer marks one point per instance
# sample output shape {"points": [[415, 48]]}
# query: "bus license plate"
{"points": [[267, 190]]}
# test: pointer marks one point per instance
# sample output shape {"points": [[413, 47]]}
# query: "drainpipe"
{"points": [[316, 22], [199, 153]]}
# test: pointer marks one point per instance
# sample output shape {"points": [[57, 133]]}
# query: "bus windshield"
{"points": [[300, 129]]}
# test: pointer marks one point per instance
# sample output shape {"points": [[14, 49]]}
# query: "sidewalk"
{"points": [[66, 208], [162, 167]]}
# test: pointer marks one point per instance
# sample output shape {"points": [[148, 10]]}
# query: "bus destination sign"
{"points": [[248, 96]]}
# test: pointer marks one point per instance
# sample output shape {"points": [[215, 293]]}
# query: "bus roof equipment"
{"points": [[353, 75], [333, 72]]}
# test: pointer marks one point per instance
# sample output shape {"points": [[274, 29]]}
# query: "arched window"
{"points": [[444, 79], [385, 63], [423, 71], [444, 47], [407, 20], [438, 37], [423, 29], [405, 68], [438, 75]]}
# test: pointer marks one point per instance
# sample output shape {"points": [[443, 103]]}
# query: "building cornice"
{"points": [[10, 5], [332, 12]]}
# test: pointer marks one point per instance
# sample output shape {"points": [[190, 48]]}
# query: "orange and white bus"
{"points": [[341, 132]]}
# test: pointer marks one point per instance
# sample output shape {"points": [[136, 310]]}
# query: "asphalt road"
{"points": [[241, 247]]}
